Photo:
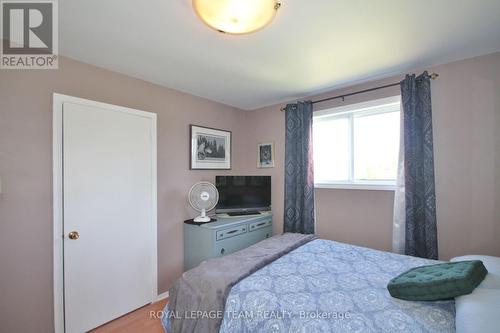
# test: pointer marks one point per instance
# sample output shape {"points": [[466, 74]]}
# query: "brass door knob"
{"points": [[73, 235]]}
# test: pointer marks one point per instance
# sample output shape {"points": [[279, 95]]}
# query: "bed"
{"points": [[327, 286]]}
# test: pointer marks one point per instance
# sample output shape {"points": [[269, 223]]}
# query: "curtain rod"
{"points": [[432, 76]]}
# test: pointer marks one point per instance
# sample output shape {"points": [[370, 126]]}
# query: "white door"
{"points": [[109, 201]]}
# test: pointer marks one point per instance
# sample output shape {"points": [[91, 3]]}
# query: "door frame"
{"points": [[57, 154]]}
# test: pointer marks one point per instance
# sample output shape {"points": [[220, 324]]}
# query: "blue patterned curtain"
{"points": [[420, 198], [299, 177]]}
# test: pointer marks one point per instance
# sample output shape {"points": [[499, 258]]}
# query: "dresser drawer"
{"points": [[230, 232], [233, 244], [259, 225]]}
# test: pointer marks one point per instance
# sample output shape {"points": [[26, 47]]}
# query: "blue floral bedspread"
{"points": [[326, 286]]}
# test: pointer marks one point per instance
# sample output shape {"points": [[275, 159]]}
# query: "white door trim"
{"points": [[57, 126]]}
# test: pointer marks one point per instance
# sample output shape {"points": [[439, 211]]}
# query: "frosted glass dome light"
{"points": [[236, 16]]}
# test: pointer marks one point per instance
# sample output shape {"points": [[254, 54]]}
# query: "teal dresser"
{"points": [[226, 235]]}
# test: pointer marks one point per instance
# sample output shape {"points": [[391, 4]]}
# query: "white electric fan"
{"points": [[203, 196]]}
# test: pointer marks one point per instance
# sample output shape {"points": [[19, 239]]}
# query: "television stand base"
{"points": [[254, 212]]}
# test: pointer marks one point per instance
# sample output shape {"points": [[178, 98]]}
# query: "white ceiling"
{"points": [[312, 45]]}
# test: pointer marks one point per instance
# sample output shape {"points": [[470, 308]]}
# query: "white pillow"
{"points": [[478, 311], [492, 264]]}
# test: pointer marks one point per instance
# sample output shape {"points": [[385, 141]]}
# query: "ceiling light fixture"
{"points": [[236, 16]]}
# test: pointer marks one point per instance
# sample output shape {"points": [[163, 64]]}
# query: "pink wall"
{"points": [[26, 171], [466, 102], [466, 111]]}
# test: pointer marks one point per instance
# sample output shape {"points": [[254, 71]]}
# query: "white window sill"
{"points": [[352, 186]]}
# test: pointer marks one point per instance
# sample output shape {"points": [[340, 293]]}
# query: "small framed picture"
{"points": [[210, 148], [265, 155]]}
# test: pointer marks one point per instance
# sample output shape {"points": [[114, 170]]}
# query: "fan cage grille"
{"points": [[195, 196]]}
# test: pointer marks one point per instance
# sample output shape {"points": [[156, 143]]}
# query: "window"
{"points": [[357, 146]]}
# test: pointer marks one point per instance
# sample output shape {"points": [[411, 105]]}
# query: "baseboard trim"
{"points": [[161, 296]]}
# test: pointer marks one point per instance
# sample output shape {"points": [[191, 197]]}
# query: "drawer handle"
{"points": [[262, 223], [231, 232]]}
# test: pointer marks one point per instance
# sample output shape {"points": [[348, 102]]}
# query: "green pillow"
{"points": [[438, 282]]}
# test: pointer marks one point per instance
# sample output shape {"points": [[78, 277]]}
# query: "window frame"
{"points": [[370, 108]]}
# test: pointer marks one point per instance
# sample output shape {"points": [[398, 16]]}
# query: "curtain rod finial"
{"points": [[433, 76]]}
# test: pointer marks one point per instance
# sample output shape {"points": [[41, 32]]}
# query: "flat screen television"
{"points": [[243, 193]]}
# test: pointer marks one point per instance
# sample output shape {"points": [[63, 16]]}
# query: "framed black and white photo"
{"points": [[265, 155], [210, 148]]}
